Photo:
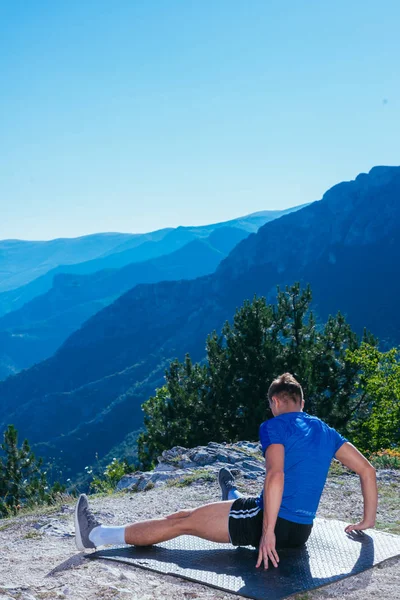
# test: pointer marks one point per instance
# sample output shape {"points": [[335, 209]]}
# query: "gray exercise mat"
{"points": [[330, 554]]}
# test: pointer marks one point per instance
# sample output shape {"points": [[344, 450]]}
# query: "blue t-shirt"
{"points": [[310, 444]]}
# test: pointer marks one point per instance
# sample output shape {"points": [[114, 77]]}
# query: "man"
{"points": [[298, 450]]}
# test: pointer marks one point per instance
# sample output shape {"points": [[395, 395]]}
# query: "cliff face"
{"points": [[356, 213], [87, 397]]}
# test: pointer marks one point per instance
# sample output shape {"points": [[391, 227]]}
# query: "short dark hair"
{"points": [[286, 387]]}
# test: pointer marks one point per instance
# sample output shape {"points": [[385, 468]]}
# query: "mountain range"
{"points": [[35, 319], [24, 261], [87, 397]]}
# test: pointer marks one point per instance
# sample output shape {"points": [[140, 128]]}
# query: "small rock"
{"points": [[127, 575], [164, 467], [215, 445], [202, 457], [14, 589], [222, 457], [251, 446], [129, 481], [173, 455], [253, 466], [55, 528]]}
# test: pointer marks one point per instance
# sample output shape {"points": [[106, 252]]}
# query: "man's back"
{"points": [[310, 445]]}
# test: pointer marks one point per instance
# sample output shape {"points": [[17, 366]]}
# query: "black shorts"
{"points": [[245, 526]]}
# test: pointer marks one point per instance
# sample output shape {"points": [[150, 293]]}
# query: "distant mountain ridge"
{"points": [[39, 316], [24, 261], [87, 397], [35, 331]]}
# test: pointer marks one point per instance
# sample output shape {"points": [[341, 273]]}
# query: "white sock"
{"points": [[233, 495], [105, 535]]}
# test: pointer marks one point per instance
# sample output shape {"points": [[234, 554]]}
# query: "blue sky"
{"points": [[135, 115]]}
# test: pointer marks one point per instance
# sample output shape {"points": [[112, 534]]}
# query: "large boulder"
{"points": [[179, 463]]}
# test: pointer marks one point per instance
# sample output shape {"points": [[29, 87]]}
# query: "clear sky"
{"points": [[133, 115]]}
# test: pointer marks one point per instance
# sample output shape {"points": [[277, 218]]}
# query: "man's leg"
{"points": [[209, 522]]}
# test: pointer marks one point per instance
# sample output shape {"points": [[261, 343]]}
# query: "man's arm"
{"points": [[273, 489], [350, 457]]}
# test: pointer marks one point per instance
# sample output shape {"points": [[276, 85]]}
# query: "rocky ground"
{"points": [[39, 559]]}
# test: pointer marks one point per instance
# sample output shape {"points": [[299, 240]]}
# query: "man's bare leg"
{"points": [[209, 522]]}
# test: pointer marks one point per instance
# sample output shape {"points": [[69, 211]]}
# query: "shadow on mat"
{"points": [[234, 569]]}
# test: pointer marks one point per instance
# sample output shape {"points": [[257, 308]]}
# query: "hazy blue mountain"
{"points": [[253, 222], [27, 269], [250, 223], [22, 261], [86, 398], [47, 320]]}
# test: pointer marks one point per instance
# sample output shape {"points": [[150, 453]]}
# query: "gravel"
{"points": [[39, 559]]}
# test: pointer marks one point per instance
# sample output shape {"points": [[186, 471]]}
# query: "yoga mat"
{"points": [[329, 555]]}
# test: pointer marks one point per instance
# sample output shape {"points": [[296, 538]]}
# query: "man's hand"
{"points": [[267, 550], [359, 526]]}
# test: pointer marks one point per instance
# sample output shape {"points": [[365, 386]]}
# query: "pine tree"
{"points": [[176, 415], [225, 399], [241, 363], [22, 481]]}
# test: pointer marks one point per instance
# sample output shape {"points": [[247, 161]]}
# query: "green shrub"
{"points": [[201, 474], [377, 424], [386, 459], [111, 476]]}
